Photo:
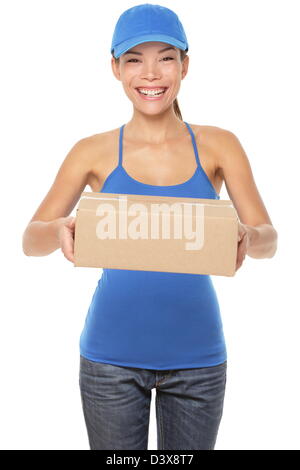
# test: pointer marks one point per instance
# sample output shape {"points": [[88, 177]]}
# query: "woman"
{"points": [[153, 329]]}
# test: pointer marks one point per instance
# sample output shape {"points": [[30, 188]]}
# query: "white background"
{"points": [[57, 87]]}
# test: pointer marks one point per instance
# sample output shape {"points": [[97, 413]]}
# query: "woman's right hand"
{"points": [[66, 233]]}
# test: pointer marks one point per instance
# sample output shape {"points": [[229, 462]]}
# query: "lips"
{"points": [[151, 97], [151, 88]]}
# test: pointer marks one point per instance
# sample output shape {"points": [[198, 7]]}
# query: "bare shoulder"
{"points": [[72, 178], [226, 145], [235, 169], [98, 143], [102, 149], [98, 146], [213, 135], [213, 139]]}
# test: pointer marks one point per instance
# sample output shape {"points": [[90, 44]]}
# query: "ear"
{"points": [[185, 66], [115, 68]]}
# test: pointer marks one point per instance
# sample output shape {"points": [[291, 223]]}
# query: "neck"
{"points": [[154, 129]]}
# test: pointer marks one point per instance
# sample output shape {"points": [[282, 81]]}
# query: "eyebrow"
{"points": [[139, 53]]}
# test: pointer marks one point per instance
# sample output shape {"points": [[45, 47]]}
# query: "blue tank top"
{"points": [[152, 319]]}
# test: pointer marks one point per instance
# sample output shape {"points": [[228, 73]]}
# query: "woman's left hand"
{"points": [[243, 243]]}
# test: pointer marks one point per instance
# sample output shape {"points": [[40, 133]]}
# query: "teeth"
{"points": [[151, 92]]}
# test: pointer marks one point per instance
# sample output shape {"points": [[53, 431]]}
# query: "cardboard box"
{"points": [[156, 233]]}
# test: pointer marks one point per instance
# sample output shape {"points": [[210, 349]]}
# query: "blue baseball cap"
{"points": [[147, 22]]}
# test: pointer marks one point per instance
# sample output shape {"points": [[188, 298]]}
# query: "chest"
{"points": [[169, 164]]}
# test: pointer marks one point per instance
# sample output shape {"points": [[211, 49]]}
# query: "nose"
{"points": [[150, 70]]}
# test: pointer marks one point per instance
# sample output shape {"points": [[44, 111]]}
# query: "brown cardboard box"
{"points": [[156, 233]]}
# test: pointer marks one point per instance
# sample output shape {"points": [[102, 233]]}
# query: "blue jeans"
{"points": [[116, 406]]}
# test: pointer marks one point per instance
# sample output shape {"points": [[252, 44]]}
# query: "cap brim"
{"points": [[126, 45]]}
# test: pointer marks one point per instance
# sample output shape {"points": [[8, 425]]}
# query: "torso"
{"points": [[164, 164]]}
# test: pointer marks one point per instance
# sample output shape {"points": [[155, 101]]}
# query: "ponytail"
{"points": [[175, 102], [177, 109]]}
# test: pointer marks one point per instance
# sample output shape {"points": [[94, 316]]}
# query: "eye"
{"points": [[130, 60]]}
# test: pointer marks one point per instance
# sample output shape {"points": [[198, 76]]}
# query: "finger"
{"points": [[69, 239], [238, 265], [69, 256], [240, 257], [70, 221], [244, 246], [241, 236], [71, 225], [71, 228], [240, 260], [68, 245]]}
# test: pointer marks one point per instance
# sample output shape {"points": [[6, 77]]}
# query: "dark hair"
{"points": [[175, 102]]}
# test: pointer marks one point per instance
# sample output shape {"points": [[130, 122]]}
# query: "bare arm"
{"points": [[243, 192], [40, 237]]}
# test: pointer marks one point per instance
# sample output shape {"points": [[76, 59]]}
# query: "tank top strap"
{"points": [[121, 145], [194, 144]]}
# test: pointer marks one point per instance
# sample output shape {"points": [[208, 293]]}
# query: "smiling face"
{"points": [[151, 65]]}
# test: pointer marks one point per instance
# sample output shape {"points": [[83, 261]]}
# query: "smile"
{"points": [[150, 95]]}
